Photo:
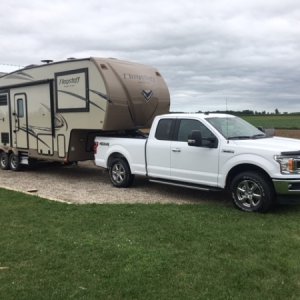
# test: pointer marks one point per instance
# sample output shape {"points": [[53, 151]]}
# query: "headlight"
{"points": [[288, 165]]}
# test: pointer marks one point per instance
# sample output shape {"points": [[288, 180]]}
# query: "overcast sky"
{"points": [[245, 53]]}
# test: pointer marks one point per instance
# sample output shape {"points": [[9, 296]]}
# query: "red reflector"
{"points": [[96, 144]]}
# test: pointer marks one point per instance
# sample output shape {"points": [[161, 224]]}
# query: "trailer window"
{"points": [[3, 100], [20, 108], [72, 91]]}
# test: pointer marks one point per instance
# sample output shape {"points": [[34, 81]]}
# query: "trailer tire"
{"points": [[252, 192], [14, 162], [120, 174], [4, 161]]}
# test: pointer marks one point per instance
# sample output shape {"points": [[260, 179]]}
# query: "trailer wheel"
{"points": [[252, 192], [14, 162], [4, 161], [120, 174]]}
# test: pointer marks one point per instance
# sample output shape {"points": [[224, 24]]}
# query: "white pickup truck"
{"points": [[207, 152]]}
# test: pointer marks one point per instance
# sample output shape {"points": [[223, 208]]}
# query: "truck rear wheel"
{"points": [[14, 162], [252, 192], [4, 161], [119, 173]]}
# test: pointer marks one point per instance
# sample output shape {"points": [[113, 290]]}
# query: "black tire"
{"points": [[4, 161], [14, 162], [119, 173], [252, 192]]}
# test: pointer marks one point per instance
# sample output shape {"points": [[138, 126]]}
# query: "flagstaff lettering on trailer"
{"points": [[138, 77], [67, 82]]}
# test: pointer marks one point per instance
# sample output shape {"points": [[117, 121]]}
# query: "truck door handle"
{"points": [[176, 150]]}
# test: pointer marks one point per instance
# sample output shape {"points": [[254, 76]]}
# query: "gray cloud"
{"points": [[209, 52]]}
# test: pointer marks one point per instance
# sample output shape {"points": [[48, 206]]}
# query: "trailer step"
{"points": [[24, 158]]}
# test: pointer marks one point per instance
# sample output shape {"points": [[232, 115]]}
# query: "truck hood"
{"points": [[274, 144]]}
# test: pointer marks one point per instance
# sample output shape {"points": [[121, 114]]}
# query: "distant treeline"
{"points": [[248, 112]]}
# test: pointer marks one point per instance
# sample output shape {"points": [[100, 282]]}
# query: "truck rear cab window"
{"points": [[186, 127], [3, 100], [164, 130]]}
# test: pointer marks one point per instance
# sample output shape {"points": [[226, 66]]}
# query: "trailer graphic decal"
{"points": [[147, 94], [20, 75], [81, 98], [59, 121], [101, 95], [32, 133]]}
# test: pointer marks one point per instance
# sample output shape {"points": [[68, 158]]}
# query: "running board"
{"points": [[186, 185]]}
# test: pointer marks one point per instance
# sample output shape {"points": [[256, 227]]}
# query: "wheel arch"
{"points": [[115, 155], [8, 151], [244, 168]]}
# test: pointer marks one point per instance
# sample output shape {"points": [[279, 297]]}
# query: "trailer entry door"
{"points": [[21, 121], [4, 119]]}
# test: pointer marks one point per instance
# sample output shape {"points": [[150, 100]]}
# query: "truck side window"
{"points": [[163, 130], [186, 127]]}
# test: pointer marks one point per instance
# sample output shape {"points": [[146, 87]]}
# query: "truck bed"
{"points": [[134, 148]]}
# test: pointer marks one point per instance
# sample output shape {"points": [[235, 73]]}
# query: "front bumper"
{"points": [[287, 186]]}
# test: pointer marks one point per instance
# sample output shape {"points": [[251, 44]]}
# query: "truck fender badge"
{"points": [[104, 144], [147, 94], [227, 151]]}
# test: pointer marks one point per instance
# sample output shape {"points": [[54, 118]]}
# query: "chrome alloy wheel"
{"points": [[14, 162], [249, 193], [3, 161], [118, 173]]}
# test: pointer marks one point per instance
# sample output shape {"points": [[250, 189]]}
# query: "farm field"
{"points": [[275, 121], [52, 250]]}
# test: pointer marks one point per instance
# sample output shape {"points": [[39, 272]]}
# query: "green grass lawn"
{"points": [[52, 250], [275, 121]]}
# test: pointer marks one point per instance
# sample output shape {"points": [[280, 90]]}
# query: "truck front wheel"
{"points": [[119, 173], [252, 192]]}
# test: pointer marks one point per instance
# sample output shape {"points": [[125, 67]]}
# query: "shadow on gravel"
{"points": [[86, 171], [93, 180]]}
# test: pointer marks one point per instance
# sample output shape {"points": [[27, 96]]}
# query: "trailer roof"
{"points": [[69, 60]]}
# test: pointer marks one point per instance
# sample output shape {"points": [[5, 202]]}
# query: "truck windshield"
{"points": [[233, 128]]}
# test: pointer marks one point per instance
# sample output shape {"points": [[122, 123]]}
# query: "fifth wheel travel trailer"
{"points": [[53, 111]]}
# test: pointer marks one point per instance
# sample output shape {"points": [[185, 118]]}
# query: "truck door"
{"points": [[197, 165], [158, 150], [4, 119], [20, 126]]}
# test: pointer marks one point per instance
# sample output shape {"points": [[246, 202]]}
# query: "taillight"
{"points": [[96, 144]]}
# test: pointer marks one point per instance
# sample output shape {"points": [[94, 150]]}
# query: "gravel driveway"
{"points": [[86, 183]]}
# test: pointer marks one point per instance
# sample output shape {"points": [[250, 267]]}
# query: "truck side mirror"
{"points": [[195, 138], [212, 142], [260, 128]]}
